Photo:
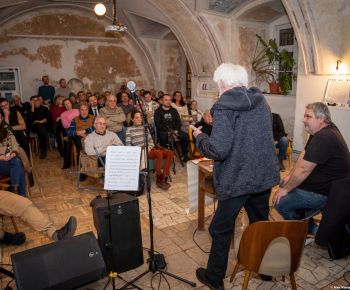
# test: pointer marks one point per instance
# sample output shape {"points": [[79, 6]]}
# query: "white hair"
{"points": [[231, 74]]}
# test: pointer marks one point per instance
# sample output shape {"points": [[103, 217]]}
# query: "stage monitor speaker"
{"points": [[126, 244], [66, 264]]}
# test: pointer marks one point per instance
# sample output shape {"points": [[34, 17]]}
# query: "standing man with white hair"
{"points": [[245, 166]]}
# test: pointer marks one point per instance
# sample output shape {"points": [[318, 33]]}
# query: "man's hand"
{"points": [[281, 192], [284, 180], [196, 131], [81, 133]]}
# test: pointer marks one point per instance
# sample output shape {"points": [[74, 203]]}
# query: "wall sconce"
{"points": [[341, 67], [339, 62], [100, 9]]}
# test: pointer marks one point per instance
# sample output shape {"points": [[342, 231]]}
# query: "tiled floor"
{"points": [[174, 233]]}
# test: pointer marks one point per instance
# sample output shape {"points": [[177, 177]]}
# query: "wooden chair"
{"points": [[88, 165], [271, 248], [193, 148]]}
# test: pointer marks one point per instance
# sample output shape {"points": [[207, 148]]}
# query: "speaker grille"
{"points": [[126, 231]]}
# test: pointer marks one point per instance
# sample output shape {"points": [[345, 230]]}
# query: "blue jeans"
{"points": [[301, 204], [14, 169], [223, 224], [282, 146]]}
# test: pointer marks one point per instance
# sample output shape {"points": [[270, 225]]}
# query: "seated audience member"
{"points": [[153, 94], [160, 95], [15, 122], [279, 136], [150, 106], [160, 100], [63, 90], [101, 100], [115, 117], [194, 112], [123, 89], [178, 103], [23, 108], [135, 137], [73, 99], [10, 163], [66, 118], [81, 126], [17, 206], [97, 142], [324, 159], [126, 107], [56, 110], [81, 97], [39, 118], [94, 106], [46, 91], [168, 124], [206, 123]]}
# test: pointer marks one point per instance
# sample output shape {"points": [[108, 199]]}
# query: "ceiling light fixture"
{"points": [[117, 26], [100, 9]]}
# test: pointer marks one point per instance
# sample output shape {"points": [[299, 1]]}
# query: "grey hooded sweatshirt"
{"points": [[241, 144]]}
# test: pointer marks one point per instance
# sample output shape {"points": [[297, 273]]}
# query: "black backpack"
{"points": [[339, 246]]}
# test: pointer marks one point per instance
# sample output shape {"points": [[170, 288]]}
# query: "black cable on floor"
{"points": [[195, 231]]}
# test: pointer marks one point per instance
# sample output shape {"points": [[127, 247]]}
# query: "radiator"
{"points": [[341, 118]]}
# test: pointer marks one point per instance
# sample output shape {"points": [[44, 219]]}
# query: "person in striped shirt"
{"points": [[135, 137]]}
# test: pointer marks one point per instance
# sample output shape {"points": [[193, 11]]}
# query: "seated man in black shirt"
{"points": [[325, 158], [279, 136], [206, 123], [39, 117], [168, 124]]}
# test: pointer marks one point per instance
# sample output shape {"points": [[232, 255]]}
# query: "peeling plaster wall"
{"points": [[172, 67], [101, 64]]}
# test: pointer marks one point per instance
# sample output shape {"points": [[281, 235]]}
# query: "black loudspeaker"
{"points": [[126, 231], [61, 265]]}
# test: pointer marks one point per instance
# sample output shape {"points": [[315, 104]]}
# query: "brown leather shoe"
{"points": [[166, 181], [160, 182]]}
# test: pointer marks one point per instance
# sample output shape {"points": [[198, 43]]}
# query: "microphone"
{"points": [[131, 86]]}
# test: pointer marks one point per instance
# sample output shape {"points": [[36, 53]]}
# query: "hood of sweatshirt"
{"points": [[239, 99]]}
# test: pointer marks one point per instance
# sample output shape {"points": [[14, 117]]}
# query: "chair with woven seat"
{"points": [[271, 248], [88, 165], [193, 148]]}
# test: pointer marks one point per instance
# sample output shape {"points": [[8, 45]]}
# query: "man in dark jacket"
{"points": [[39, 117], [281, 141], [244, 173], [168, 124]]}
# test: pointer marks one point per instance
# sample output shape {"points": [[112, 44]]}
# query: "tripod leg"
{"points": [[6, 272], [179, 154], [135, 279], [178, 278]]}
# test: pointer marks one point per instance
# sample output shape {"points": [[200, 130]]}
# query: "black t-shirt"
{"points": [[328, 149]]}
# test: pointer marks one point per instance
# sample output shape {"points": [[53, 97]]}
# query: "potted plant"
{"points": [[273, 66]]}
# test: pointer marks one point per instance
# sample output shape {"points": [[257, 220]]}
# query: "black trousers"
{"points": [[43, 134], [22, 140], [182, 136], [223, 223]]}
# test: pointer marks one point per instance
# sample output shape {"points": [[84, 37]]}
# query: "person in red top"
{"points": [[56, 110]]}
